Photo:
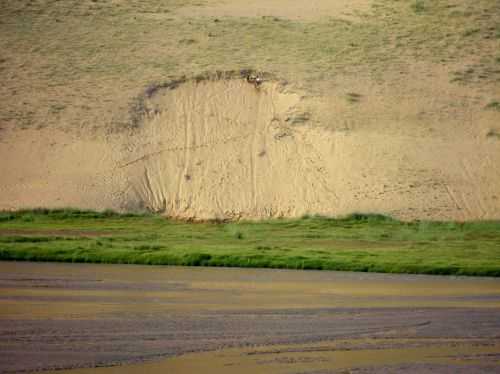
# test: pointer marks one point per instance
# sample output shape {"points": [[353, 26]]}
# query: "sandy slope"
{"points": [[226, 149], [393, 114], [300, 10]]}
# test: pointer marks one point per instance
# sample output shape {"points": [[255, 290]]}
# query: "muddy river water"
{"points": [[107, 319]]}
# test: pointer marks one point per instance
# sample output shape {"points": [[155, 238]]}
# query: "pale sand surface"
{"points": [[225, 149], [296, 10], [182, 320]]}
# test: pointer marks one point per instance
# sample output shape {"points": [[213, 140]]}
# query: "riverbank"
{"points": [[359, 242]]}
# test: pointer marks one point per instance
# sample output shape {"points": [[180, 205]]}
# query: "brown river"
{"points": [[107, 319]]}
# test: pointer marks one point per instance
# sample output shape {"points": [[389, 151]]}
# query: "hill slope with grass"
{"points": [[381, 106]]}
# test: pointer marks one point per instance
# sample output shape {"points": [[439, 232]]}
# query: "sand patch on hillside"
{"points": [[225, 148], [220, 147], [54, 168], [296, 10]]}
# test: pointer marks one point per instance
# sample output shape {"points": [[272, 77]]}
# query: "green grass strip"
{"points": [[359, 242]]}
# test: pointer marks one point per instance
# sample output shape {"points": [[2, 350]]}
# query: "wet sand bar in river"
{"points": [[67, 316]]}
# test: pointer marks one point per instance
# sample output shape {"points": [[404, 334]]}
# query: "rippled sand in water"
{"points": [[68, 316]]}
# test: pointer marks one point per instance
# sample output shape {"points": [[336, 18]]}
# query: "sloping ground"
{"points": [[225, 148], [394, 112], [312, 9]]}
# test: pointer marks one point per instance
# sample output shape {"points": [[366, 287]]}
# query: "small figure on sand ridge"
{"points": [[254, 79]]}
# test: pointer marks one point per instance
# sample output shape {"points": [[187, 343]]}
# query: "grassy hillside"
{"points": [[358, 242], [408, 88], [82, 61]]}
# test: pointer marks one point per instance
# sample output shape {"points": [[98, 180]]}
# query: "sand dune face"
{"points": [[224, 148], [228, 149]]}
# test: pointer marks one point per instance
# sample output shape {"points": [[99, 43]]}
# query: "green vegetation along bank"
{"points": [[358, 242]]}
